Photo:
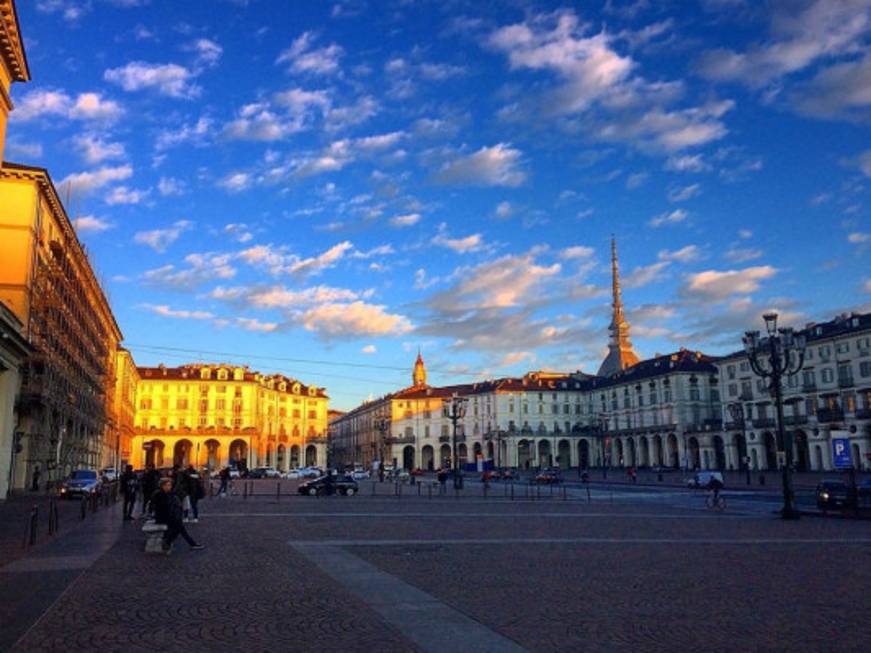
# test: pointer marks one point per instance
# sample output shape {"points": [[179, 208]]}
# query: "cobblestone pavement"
{"points": [[545, 575]]}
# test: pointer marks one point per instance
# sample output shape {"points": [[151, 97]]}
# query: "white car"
{"points": [[310, 472], [701, 480], [109, 474], [360, 474], [293, 473]]}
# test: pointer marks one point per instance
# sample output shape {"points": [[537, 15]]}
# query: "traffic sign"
{"points": [[841, 456]]}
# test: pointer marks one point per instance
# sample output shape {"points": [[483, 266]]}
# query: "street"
{"points": [[633, 569]]}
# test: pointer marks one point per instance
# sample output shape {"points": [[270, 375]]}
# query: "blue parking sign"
{"points": [[841, 457]]}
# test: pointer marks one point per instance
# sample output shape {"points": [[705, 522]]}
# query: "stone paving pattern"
{"points": [[249, 590]]}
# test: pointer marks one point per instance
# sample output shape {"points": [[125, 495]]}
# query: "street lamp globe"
{"points": [[770, 322]]}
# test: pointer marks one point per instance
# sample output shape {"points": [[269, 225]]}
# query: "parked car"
{"points": [[360, 474], [401, 475], [548, 476], [310, 472], [832, 494], [235, 473], [81, 483], [702, 480], [109, 474], [264, 472], [341, 485], [292, 473]]}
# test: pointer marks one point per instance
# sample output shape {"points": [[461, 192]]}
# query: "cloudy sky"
{"points": [[322, 188]]}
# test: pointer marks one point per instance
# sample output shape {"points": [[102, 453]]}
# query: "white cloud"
{"points": [[90, 223], [718, 285], [742, 254], [506, 282], [30, 150], [85, 182], [842, 91], [504, 210], [745, 234], [577, 251], [85, 107], [170, 187], [199, 269], [858, 238], [188, 133], [166, 311], [94, 149], [125, 195], [279, 262], [253, 324], [208, 52], [236, 182], [369, 349], [282, 297], [515, 357], [686, 163], [70, 10], [868, 286], [645, 275], [865, 163], [600, 87], [238, 232], [406, 220], [636, 180], [801, 35], [169, 79], [683, 193], [669, 218], [686, 254], [304, 58], [355, 319], [160, 239], [489, 166], [472, 243]]}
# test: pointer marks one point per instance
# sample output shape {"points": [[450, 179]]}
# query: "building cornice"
{"points": [[11, 43], [43, 181]]}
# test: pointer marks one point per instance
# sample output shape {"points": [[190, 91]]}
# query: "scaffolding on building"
{"points": [[65, 384]]}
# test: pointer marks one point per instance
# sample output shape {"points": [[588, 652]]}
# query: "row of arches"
{"points": [[211, 455]]}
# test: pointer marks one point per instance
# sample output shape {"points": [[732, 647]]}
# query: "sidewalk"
{"points": [[15, 518], [733, 480], [32, 582]]}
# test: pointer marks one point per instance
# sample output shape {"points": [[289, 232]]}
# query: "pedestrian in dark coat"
{"points": [[129, 486], [150, 479], [167, 510], [195, 492]]}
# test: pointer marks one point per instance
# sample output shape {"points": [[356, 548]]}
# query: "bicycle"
{"points": [[713, 502]]}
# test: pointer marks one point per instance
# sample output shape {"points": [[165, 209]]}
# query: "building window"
{"points": [[845, 374], [312, 414], [865, 368], [730, 370], [204, 405], [827, 375], [733, 389], [426, 431], [843, 347], [809, 379], [825, 351], [182, 404]]}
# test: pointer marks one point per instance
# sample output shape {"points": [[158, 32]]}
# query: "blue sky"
{"points": [[302, 183]]}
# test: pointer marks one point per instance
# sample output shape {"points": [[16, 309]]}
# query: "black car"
{"points": [[341, 485], [832, 494]]}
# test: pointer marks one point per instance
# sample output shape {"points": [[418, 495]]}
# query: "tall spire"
{"points": [[620, 352], [419, 376]]}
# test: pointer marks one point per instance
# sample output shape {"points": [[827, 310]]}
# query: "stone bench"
{"points": [[153, 536]]}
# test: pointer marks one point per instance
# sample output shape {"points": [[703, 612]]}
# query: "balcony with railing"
{"points": [[794, 420], [825, 415], [863, 413], [400, 439], [845, 382], [764, 423], [809, 387]]}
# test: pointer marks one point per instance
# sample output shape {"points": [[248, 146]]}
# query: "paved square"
{"points": [[417, 574]]}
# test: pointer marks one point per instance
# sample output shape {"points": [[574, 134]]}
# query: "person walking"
{"points": [[36, 474], [181, 487], [150, 480], [195, 492], [225, 481], [168, 511], [129, 486]]}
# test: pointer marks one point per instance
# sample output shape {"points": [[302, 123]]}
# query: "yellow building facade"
{"points": [[213, 416]]}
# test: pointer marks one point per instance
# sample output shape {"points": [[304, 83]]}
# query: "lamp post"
{"points": [[382, 423], [605, 442], [455, 410], [737, 413], [779, 354]]}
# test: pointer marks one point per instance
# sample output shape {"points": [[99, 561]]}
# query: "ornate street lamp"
{"points": [[737, 412], [779, 354], [455, 410], [382, 423]]}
